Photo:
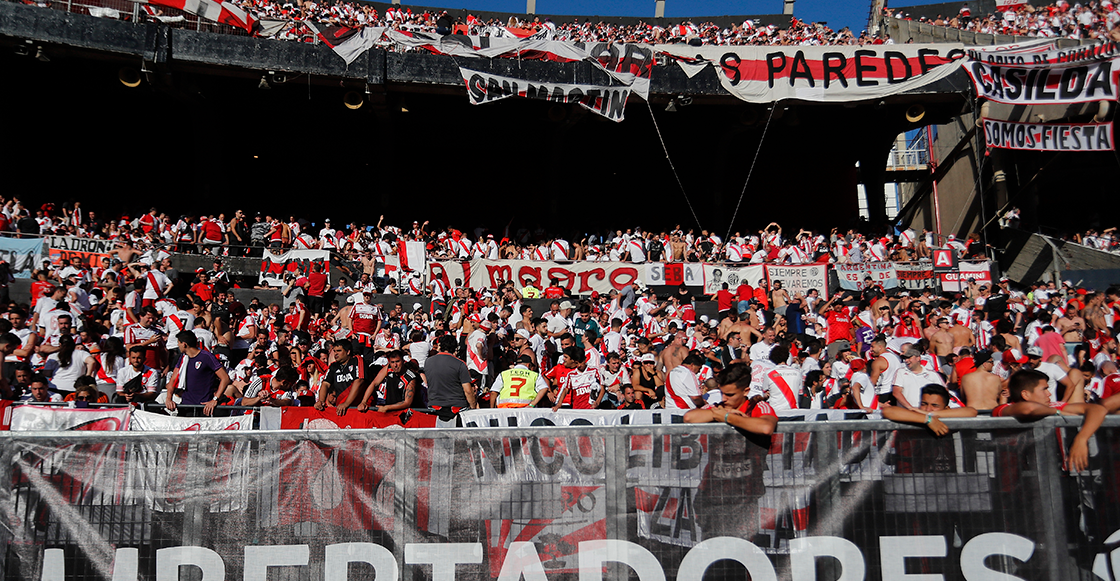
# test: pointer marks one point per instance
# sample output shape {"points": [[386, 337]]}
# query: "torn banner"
{"points": [[482, 87]]}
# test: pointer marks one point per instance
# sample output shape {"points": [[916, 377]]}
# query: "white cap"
{"points": [[356, 298]]}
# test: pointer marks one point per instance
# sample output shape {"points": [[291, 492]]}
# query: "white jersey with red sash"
{"points": [[681, 385], [783, 382]]}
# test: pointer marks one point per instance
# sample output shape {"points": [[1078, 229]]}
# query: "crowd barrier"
{"points": [[820, 500]]}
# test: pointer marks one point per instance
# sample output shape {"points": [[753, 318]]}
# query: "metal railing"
{"points": [[907, 159]]}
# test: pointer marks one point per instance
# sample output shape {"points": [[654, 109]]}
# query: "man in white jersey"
{"points": [[884, 367], [682, 388]]}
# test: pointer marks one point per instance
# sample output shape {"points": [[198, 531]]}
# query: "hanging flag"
{"points": [[348, 43], [214, 10]]}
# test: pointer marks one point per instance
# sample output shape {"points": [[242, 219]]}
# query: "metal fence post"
{"points": [[1049, 484]]}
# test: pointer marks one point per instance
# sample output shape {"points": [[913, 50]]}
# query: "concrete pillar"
{"points": [[787, 9], [659, 12], [530, 6]]}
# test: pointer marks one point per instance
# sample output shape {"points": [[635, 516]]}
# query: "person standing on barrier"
{"points": [[195, 376], [753, 415], [1030, 399], [449, 381]]}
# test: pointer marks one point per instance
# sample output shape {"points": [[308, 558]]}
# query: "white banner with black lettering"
{"points": [[1053, 85], [980, 271], [800, 278], [1050, 56], [765, 74], [854, 276], [715, 275], [482, 87], [675, 273], [1048, 136]]}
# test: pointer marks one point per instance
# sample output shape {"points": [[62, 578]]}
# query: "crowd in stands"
{"points": [[121, 326], [1092, 20]]}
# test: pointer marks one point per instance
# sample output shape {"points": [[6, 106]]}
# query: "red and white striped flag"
{"points": [[215, 10]]}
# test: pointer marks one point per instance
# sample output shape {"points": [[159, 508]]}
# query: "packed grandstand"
{"points": [[1093, 20]]}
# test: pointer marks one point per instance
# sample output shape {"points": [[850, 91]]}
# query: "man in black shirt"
{"points": [[393, 388], [346, 371]]}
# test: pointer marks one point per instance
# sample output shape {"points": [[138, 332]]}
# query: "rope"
{"points": [[671, 166], [731, 224]]}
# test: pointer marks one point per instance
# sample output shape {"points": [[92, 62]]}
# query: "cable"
{"points": [[671, 166], [731, 224]]}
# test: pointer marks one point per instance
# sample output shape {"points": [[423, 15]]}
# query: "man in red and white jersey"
{"points": [[29, 339], [576, 383], [1030, 399], [181, 319], [478, 352], [146, 385], [613, 376], [560, 249], [682, 387], [156, 284], [146, 334], [736, 409]]}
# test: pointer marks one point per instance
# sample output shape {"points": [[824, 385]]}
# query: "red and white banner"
{"points": [[981, 271], [214, 10], [1048, 136], [309, 418], [295, 262], [1053, 85], [149, 422], [47, 419], [765, 74], [674, 274], [578, 277], [801, 278]]}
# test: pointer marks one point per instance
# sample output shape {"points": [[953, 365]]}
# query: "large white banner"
{"points": [[1053, 85], [715, 275], [1046, 54], [578, 277], [765, 74], [1048, 136], [800, 278], [981, 271], [853, 276], [149, 422], [47, 419], [295, 262]]}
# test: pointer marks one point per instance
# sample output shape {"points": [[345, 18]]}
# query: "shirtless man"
{"points": [[779, 298], [962, 336], [744, 328], [672, 355], [1005, 327], [941, 341], [1071, 325], [982, 387], [677, 247], [725, 324], [1094, 312]]}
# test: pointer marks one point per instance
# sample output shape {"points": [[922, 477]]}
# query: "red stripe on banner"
{"points": [[423, 495], [535, 526], [784, 388], [870, 67], [644, 501]]}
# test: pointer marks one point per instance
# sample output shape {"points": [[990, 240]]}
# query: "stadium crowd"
{"points": [[1092, 20], [113, 331]]}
